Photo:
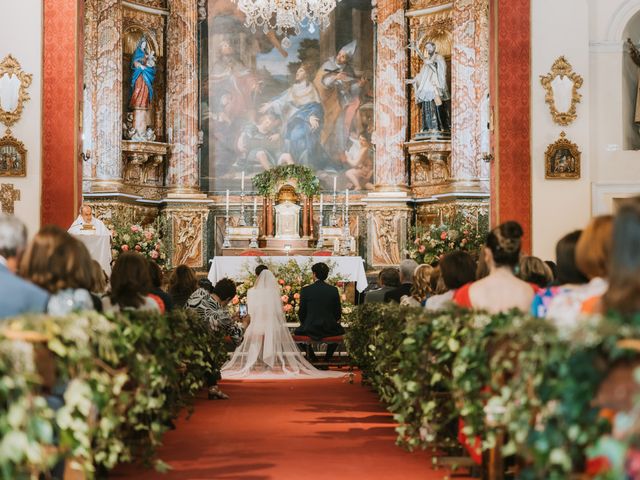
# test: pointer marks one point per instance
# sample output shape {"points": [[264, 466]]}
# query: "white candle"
{"points": [[347, 198], [242, 182], [321, 204], [227, 202], [255, 205], [334, 184]]}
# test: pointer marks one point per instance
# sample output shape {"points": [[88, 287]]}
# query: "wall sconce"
{"points": [[85, 156]]}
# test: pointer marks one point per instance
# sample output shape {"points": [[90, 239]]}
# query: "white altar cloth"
{"points": [[99, 247], [351, 268]]}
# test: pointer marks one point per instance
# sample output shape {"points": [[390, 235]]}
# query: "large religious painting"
{"points": [[305, 99]]}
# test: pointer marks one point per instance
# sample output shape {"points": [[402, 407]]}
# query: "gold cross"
{"points": [[8, 196]]}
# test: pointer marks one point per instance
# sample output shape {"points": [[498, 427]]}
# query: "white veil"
{"points": [[268, 350]]}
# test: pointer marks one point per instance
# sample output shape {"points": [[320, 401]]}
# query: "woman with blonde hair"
{"points": [[421, 289]]}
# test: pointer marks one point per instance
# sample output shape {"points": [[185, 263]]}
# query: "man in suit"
{"points": [[407, 269], [18, 296], [320, 310], [388, 279]]}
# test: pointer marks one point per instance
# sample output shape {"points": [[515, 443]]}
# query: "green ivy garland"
{"points": [[265, 183]]}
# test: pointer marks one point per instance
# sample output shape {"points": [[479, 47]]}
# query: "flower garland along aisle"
{"points": [[461, 233], [292, 277], [146, 240]]}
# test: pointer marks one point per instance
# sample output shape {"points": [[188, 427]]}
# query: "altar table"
{"points": [[99, 247], [351, 268]]}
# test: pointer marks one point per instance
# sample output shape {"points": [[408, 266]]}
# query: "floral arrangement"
{"points": [[292, 277], [265, 183], [143, 239], [461, 233]]}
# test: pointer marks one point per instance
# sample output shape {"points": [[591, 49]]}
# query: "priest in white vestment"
{"points": [[87, 224]]}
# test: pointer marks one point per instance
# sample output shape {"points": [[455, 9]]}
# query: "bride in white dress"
{"points": [[268, 350]]}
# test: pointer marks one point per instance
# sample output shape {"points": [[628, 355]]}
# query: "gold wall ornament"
{"points": [[562, 159], [13, 157], [561, 86], [13, 90], [8, 197]]}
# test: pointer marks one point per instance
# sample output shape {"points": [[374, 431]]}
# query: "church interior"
{"points": [[400, 143]]}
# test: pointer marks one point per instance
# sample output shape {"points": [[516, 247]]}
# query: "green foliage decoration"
{"points": [[123, 378], [265, 183]]}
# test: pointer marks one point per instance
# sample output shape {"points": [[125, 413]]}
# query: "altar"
{"points": [[351, 268]]}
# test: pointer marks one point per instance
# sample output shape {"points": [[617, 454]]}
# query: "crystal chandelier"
{"points": [[285, 16]]}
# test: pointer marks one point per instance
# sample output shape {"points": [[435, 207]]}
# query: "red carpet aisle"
{"points": [[312, 429]]}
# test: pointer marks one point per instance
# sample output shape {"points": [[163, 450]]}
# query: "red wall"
{"points": [[62, 88], [511, 91]]}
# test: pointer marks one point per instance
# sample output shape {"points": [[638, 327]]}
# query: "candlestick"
{"points": [[226, 243], [227, 203], [334, 184], [320, 243], [255, 205], [242, 182]]}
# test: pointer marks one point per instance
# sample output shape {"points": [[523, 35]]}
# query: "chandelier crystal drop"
{"points": [[285, 16]]}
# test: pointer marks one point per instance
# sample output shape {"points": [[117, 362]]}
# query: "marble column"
{"points": [[108, 109], [89, 94], [387, 211], [470, 89], [390, 93], [182, 99]]}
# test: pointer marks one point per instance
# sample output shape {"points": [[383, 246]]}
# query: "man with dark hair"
{"points": [[407, 269], [211, 305], [388, 279], [320, 310], [18, 296]]}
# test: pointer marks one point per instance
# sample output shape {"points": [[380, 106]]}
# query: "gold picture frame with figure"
{"points": [[13, 157], [562, 159]]}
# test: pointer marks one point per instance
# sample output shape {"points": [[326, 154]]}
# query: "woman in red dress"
{"points": [[501, 290]]}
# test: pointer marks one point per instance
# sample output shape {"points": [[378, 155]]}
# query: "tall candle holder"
{"points": [[333, 219], [242, 222], [254, 235], [226, 243], [320, 243]]}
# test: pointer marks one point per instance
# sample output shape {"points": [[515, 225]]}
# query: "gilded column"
{"points": [[470, 90], [89, 94], [387, 210], [182, 98], [108, 111], [390, 93]]}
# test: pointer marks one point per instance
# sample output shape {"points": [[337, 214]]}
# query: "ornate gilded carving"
{"points": [[144, 162], [562, 159], [437, 213], [8, 196], [422, 4], [561, 86], [14, 83], [187, 236], [430, 166], [387, 235], [13, 157]]}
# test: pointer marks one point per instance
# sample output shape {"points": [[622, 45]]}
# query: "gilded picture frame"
{"points": [[562, 160], [13, 157], [562, 87], [14, 83]]}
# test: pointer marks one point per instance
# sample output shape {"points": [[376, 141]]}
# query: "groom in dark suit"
{"points": [[320, 310]]}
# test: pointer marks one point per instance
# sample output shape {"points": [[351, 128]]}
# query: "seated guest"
{"points": [[211, 305], [87, 224], [388, 279], [554, 269], [320, 310], [155, 272], [623, 294], [407, 268], [60, 264], [533, 270], [457, 269], [421, 288], [131, 286], [17, 295], [501, 290], [557, 302], [99, 284], [182, 283]]}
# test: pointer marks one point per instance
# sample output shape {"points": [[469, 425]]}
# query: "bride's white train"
{"points": [[268, 350]]}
